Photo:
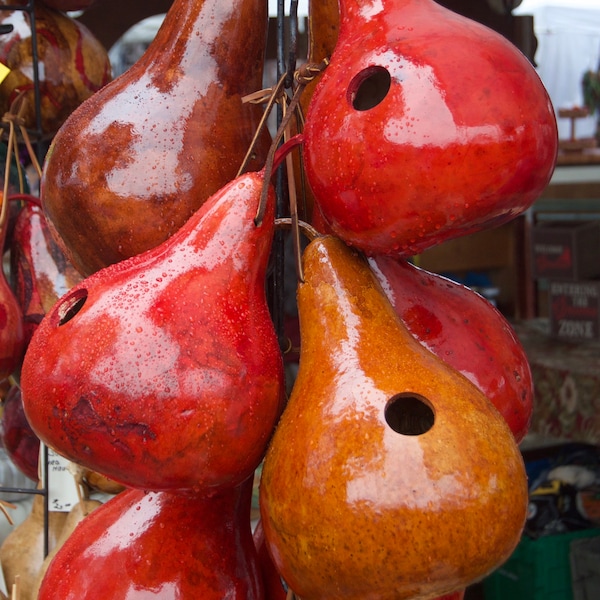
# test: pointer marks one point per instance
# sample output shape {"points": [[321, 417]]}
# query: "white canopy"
{"points": [[568, 34]]}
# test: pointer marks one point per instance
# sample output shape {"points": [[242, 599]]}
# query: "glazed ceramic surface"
{"points": [[390, 475], [425, 126], [164, 371], [131, 165]]}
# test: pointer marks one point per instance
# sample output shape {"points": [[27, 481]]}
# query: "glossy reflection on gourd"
{"points": [[134, 162], [425, 126], [164, 371], [390, 475]]}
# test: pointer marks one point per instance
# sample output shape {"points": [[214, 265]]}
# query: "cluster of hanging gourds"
{"points": [[392, 471]]}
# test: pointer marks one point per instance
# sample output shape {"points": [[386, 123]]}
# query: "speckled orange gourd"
{"points": [[360, 497]]}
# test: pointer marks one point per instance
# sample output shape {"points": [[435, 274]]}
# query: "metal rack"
{"points": [[36, 136]]}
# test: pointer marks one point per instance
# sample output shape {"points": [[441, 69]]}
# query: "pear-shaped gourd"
{"points": [[165, 546], [22, 552], [131, 165], [79, 512], [464, 330], [72, 64], [164, 371], [390, 475], [425, 126], [39, 270]]}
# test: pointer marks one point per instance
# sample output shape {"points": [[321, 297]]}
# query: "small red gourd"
{"points": [[161, 546], [463, 329], [40, 273], [12, 332]]}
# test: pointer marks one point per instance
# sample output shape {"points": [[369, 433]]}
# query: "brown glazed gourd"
{"points": [[136, 160], [72, 64], [390, 475]]}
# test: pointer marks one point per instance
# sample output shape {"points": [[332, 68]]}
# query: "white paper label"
{"points": [[61, 486]]}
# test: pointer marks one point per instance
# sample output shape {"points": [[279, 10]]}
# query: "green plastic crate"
{"points": [[537, 570]]}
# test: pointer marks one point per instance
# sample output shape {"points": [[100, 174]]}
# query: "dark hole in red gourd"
{"points": [[408, 414], [70, 306], [369, 88]]}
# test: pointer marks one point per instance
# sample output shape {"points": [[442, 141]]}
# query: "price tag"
{"points": [[4, 71], [62, 488]]}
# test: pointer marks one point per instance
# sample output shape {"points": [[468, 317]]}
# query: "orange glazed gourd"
{"points": [[390, 475]]}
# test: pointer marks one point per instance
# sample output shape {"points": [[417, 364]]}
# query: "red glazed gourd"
{"points": [[464, 330], [424, 127], [164, 371], [160, 546], [12, 332], [39, 271]]}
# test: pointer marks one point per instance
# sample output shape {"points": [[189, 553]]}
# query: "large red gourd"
{"points": [[164, 371], [424, 127], [135, 161], [464, 330], [161, 546], [390, 475]]}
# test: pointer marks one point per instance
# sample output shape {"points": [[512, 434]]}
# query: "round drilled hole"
{"points": [[408, 414], [70, 306], [369, 88]]}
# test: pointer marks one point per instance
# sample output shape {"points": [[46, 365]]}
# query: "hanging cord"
{"points": [[302, 77], [14, 118]]}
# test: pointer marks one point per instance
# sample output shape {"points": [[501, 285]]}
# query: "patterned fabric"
{"points": [[566, 377]]}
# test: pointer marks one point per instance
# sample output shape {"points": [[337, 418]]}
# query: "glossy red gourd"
{"points": [[12, 333], [72, 65], [390, 475], [424, 127], [40, 273], [132, 164], [165, 546], [466, 331], [17, 437], [164, 371]]}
